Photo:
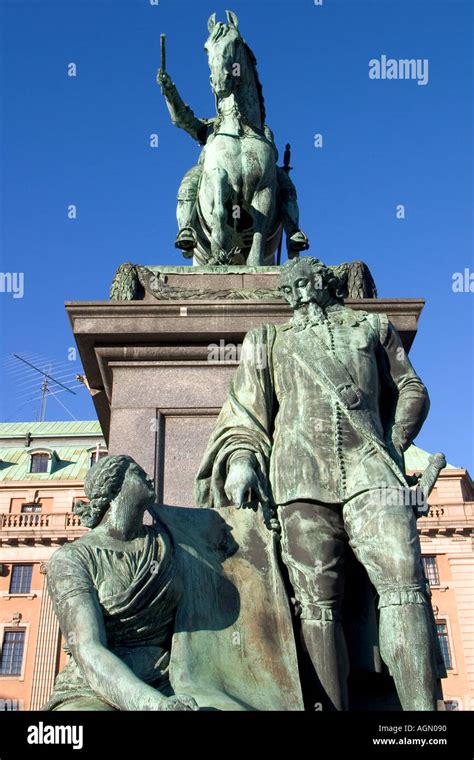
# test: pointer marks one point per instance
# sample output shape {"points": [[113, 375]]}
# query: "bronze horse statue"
{"points": [[234, 204]]}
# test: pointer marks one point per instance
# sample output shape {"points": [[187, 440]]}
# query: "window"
{"points": [[97, 454], [11, 657], [431, 570], [21, 579], [39, 463], [31, 507], [443, 639]]}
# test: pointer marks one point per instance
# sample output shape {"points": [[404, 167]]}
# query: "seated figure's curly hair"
{"points": [[304, 263], [102, 484]]}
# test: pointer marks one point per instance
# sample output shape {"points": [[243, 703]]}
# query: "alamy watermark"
{"points": [[390, 496], [13, 282], [463, 282], [223, 352], [402, 68], [46, 734], [11, 705]]}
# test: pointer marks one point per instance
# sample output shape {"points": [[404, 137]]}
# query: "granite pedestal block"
{"points": [[158, 371]]}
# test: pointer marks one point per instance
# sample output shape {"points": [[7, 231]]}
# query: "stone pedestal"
{"points": [[159, 370]]}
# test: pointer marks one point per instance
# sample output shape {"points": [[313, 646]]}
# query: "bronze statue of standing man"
{"points": [[317, 419]]}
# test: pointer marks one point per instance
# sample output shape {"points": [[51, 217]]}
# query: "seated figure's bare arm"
{"points": [[82, 624]]}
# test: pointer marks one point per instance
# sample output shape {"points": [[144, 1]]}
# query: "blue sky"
{"points": [[85, 141]]}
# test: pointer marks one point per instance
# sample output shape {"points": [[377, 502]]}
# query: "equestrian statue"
{"points": [[235, 203]]}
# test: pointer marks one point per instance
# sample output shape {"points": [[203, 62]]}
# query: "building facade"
{"points": [[42, 471], [446, 536]]}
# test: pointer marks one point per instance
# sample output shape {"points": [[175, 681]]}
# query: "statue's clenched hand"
{"points": [[165, 82], [241, 481], [396, 444]]}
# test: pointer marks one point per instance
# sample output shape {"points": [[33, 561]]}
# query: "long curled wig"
{"points": [[304, 263]]}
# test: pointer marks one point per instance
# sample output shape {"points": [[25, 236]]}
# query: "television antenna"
{"points": [[45, 385]]}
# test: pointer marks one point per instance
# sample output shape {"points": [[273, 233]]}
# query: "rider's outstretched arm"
{"points": [[181, 114]]}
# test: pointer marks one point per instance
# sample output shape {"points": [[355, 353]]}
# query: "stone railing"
{"points": [[25, 520], [457, 517], [39, 526]]}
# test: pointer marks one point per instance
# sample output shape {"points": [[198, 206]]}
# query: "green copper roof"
{"points": [[73, 464], [72, 460], [49, 429], [417, 460]]}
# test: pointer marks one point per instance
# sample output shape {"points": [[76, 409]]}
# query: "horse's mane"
{"points": [[258, 83]]}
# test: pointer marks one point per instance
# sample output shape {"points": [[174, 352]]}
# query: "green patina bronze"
{"points": [[305, 465], [187, 613], [233, 203], [318, 416]]}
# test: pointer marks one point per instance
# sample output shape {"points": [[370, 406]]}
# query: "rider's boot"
{"points": [[296, 240], [296, 243], [186, 239]]}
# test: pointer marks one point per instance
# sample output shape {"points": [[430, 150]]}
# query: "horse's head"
{"points": [[227, 54]]}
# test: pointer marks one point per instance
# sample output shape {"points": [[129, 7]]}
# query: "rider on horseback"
{"points": [[203, 131]]}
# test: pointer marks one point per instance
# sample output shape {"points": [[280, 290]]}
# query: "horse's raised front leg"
{"points": [[262, 205], [221, 191]]}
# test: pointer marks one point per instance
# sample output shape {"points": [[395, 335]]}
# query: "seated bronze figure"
{"points": [[150, 613], [115, 591]]}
